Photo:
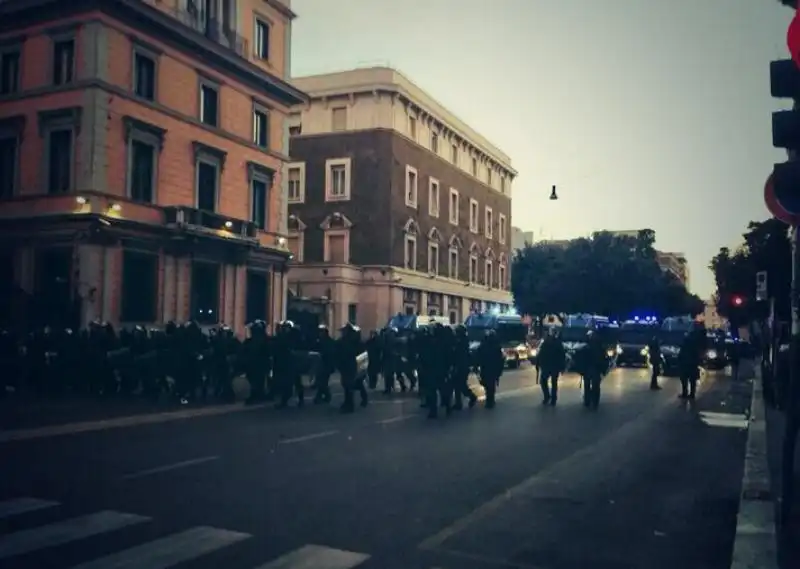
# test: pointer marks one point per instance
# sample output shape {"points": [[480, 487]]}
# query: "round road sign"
{"points": [[793, 38], [774, 206]]}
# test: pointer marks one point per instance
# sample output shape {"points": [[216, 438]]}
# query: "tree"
{"points": [[765, 247], [605, 274]]}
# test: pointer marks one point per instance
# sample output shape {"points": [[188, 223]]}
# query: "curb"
{"points": [[755, 545]]}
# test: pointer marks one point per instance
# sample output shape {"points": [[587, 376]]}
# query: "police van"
{"points": [[510, 329]]}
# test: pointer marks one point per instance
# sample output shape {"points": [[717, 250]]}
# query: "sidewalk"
{"points": [[789, 545]]}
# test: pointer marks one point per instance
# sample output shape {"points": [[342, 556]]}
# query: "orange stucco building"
{"points": [[142, 147]]}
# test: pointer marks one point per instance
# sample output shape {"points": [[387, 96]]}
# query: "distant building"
{"points": [[395, 204], [676, 264], [711, 317], [520, 238]]}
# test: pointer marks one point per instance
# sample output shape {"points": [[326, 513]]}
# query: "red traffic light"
{"points": [[738, 301]]}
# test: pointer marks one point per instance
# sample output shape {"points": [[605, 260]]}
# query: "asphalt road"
{"points": [[644, 482]]}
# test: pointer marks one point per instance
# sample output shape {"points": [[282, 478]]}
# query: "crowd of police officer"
{"points": [[593, 361], [437, 359], [183, 362], [187, 363]]}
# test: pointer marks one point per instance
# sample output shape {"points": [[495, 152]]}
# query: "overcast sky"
{"points": [[644, 113]]}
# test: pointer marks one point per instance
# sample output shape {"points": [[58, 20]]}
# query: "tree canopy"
{"points": [[765, 247], [605, 274]]}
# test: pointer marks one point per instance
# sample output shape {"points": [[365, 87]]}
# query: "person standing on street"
{"points": [[654, 354], [551, 360]]}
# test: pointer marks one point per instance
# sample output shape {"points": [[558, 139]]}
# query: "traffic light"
{"points": [[737, 301], [782, 191]]}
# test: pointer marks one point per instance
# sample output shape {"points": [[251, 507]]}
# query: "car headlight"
{"points": [[534, 352], [610, 353], [711, 354], [644, 351], [619, 350]]}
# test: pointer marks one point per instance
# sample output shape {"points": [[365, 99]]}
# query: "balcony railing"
{"points": [[208, 222], [213, 28]]}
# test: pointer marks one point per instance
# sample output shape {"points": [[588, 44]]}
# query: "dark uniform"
{"points": [[460, 369], [551, 360], [255, 360], [325, 347], [689, 361], [287, 370], [492, 363], [593, 365], [347, 351], [654, 354], [375, 363]]}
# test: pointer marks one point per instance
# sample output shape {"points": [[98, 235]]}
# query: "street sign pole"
{"points": [[792, 418]]}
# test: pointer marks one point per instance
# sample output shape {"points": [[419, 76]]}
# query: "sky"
{"points": [[642, 113]]}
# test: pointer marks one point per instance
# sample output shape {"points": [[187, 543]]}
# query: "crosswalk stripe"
{"points": [[23, 505], [317, 557], [168, 551], [26, 541]]}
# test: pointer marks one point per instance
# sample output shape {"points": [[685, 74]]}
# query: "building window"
{"points": [[208, 173], [10, 70], [296, 186], [489, 175], [454, 206], [63, 61], [58, 127], [489, 223], [433, 197], [209, 104], [489, 273], [261, 40], [205, 293], [454, 154], [433, 258], [141, 171], [260, 127], [412, 186], [207, 185], [435, 142], [259, 193], [501, 277], [337, 179], [9, 164], [452, 263], [412, 127], [503, 229], [144, 75], [475, 167], [139, 298], [473, 268], [503, 184], [352, 314], [337, 247], [473, 215], [339, 119], [410, 252], [60, 152]]}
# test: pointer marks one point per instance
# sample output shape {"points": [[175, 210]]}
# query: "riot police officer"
{"points": [[460, 369], [325, 347], [349, 348], [551, 360], [491, 361]]}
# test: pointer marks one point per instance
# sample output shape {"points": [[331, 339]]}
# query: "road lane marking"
{"points": [[168, 467], [398, 419], [119, 422], [310, 437], [543, 477], [19, 506], [60, 533], [317, 557], [729, 420], [168, 551]]}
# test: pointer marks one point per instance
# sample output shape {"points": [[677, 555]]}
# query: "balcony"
{"points": [[28, 211], [199, 221], [213, 28]]}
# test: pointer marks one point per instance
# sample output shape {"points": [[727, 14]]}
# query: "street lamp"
{"points": [[553, 194]]}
